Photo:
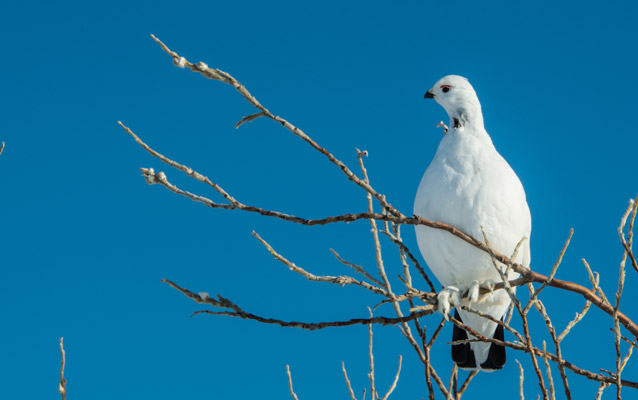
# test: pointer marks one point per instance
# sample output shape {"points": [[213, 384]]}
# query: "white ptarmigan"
{"points": [[470, 186]]}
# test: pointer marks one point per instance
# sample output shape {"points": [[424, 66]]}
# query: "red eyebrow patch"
{"points": [[447, 86]]}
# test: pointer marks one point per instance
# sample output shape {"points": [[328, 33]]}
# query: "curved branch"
{"points": [[233, 310]]}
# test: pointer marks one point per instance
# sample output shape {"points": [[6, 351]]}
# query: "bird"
{"points": [[471, 187]]}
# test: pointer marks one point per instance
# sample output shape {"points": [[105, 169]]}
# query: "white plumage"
{"points": [[470, 186]]}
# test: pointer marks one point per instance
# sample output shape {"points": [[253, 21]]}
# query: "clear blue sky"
{"points": [[85, 242]]}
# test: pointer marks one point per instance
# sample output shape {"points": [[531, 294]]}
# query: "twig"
{"points": [[380, 266], [62, 386], [551, 275], [621, 285], [440, 383], [552, 331], [292, 392], [249, 118], [402, 247], [373, 389], [520, 379], [1, 147], [601, 388], [188, 171], [394, 383], [552, 391], [467, 382], [357, 268], [339, 280], [236, 311], [627, 244], [579, 316], [455, 370], [345, 375]]}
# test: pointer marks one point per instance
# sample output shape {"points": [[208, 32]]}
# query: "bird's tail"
{"points": [[463, 355]]}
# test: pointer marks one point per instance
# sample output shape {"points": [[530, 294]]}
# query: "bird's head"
{"points": [[455, 94]]}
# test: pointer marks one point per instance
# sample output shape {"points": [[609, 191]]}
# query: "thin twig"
{"points": [[357, 268], [551, 275], [450, 386], [621, 285], [62, 386], [345, 375], [417, 265], [394, 383], [373, 389], [520, 379], [466, 384], [627, 244], [339, 280], [292, 392], [601, 388], [550, 379], [249, 118], [405, 328], [236, 311]]}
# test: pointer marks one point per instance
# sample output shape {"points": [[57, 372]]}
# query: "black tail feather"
{"points": [[496, 357], [463, 355]]}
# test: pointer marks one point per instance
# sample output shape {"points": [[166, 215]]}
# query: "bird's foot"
{"points": [[448, 298], [473, 292], [488, 285]]}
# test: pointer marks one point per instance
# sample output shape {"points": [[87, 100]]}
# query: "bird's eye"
{"points": [[445, 89]]}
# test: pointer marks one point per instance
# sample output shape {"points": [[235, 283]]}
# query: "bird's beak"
{"points": [[429, 95]]}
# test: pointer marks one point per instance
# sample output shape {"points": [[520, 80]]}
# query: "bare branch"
{"points": [[373, 389], [466, 384], [453, 373], [345, 375], [292, 392], [551, 275], [396, 240], [550, 379], [188, 171], [394, 383], [339, 280], [249, 118], [521, 379], [405, 328], [235, 311], [621, 285], [579, 316], [357, 268], [62, 386], [601, 388], [222, 76], [627, 244]]}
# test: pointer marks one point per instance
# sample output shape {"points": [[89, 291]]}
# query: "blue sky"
{"points": [[85, 241]]}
